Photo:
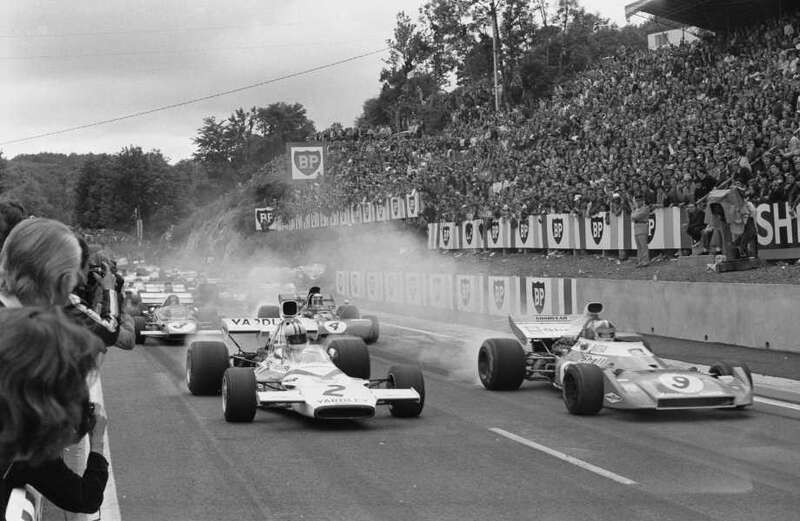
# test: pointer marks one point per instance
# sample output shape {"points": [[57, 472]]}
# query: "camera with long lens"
{"points": [[88, 420]]}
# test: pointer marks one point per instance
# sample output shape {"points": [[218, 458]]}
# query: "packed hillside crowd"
{"points": [[665, 125], [61, 308]]}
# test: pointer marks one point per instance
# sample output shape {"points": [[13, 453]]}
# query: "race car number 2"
{"points": [[681, 383]]}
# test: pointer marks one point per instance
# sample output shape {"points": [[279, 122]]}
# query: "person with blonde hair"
{"points": [[45, 361], [39, 264]]}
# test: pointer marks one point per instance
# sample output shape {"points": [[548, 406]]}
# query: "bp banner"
{"points": [[472, 234], [368, 211], [559, 231], [498, 233], [345, 218], [469, 293], [393, 287], [306, 160], [449, 236], [397, 208], [382, 211], [549, 296], [315, 219], [342, 280], [265, 219], [324, 220], [374, 286], [414, 288], [355, 213], [333, 219], [529, 233], [356, 284], [502, 295], [439, 291], [413, 203]]}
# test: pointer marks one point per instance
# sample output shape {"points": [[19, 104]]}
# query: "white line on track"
{"points": [[109, 510], [564, 457], [423, 331], [776, 403]]}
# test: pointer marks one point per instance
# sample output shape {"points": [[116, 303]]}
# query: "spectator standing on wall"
{"points": [[640, 215]]}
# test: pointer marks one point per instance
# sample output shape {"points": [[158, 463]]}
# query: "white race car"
{"points": [[327, 378]]}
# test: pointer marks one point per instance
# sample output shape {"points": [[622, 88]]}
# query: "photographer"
{"points": [[94, 302], [44, 405]]}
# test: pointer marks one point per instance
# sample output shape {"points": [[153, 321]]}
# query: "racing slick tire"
{"points": [[375, 330], [583, 389], [348, 311], [269, 311], [403, 377], [138, 327], [350, 355], [501, 364], [239, 399], [206, 362]]}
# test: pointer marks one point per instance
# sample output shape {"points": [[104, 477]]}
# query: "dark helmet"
{"points": [[296, 334]]}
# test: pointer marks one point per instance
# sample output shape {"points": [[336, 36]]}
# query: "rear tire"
{"points": [[206, 362], [269, 311], [403, 377], [348, 311], [350, 355], [501, 364], [239, 399], [375, 331], [583, 389], [138, 327]]}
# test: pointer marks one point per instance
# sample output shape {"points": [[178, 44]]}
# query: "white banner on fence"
{"points": [[393, 286], [414, 288], [469, 293], [356, 284], [374, 286], [502, 297], [342, 283], [472, 234], [440, 291]]}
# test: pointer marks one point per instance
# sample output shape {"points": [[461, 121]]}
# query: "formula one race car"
{"points": [[170, 316], [322, 309], [595, 366], [276, 364]]}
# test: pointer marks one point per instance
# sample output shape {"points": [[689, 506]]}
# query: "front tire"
{"points": [[350, 355], [583, 388], [501, 364], [375, 330], [239, 399], [404, 377], [138, 326], [206, 362]]}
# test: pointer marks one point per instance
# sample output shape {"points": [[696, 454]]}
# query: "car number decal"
{"points": [[333, 390], [335, 326], [681, 383]]}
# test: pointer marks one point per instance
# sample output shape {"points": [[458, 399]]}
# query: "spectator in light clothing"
{"points": [[640, 215]]}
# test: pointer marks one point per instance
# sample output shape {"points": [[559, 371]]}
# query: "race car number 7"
{"points": [[334, 390]]}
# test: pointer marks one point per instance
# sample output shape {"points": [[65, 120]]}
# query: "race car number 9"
{"points": [[682, 383]]}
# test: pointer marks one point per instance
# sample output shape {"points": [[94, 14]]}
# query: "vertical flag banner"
{"points": [[342, 280], [449, 236], [356, 284], [393, 287], [413, 203], [374, 286], [414, 288], [559, 231], [382, 211], [549, 296], [397, 208], [502, 296], [498, 233], [307, 161], [472, 234]]}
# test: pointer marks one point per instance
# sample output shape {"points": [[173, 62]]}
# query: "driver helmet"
{"points": [[295, 334], [172, 300], [316, 301], [604, 330]]}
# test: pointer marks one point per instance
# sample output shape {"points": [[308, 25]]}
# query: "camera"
{"points": [[88, 419], [98, 269]]}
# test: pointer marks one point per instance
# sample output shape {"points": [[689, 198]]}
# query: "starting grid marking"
{"points": [[756, 399], [564, 457]]}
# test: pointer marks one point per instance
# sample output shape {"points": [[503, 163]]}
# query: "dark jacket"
{"points": [[55, 481], [105, 323]]}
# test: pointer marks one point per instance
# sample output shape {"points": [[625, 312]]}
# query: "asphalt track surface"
{"points": [[473, 454]]}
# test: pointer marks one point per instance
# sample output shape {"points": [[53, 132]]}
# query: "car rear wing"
{"points": [[542, 327], [157, 299], [250, 325]]}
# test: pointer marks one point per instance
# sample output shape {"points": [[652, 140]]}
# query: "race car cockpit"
{"points": [[172, 300], [597, 329]]}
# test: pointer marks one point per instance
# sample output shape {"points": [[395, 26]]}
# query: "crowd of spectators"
{"points": [[668, 125]]}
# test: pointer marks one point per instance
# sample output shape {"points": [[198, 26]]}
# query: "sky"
{"points": [[71, 63]]}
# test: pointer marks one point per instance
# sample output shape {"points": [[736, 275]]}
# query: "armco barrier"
{"points": [[753, 315]]}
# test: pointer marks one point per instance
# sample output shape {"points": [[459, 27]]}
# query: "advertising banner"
{"points": [[472, 234], [374, 286], [528, 234], [449, 236], [397, 208], [548, 296], [413, 204], [265, 219], [306, 160], [342, 283], [498, 233], [778, 231], [559, 231], [356, 284], [439, 291], [502, 295], [393, 287], [469, 293], [382, 211], [414, 289]]}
